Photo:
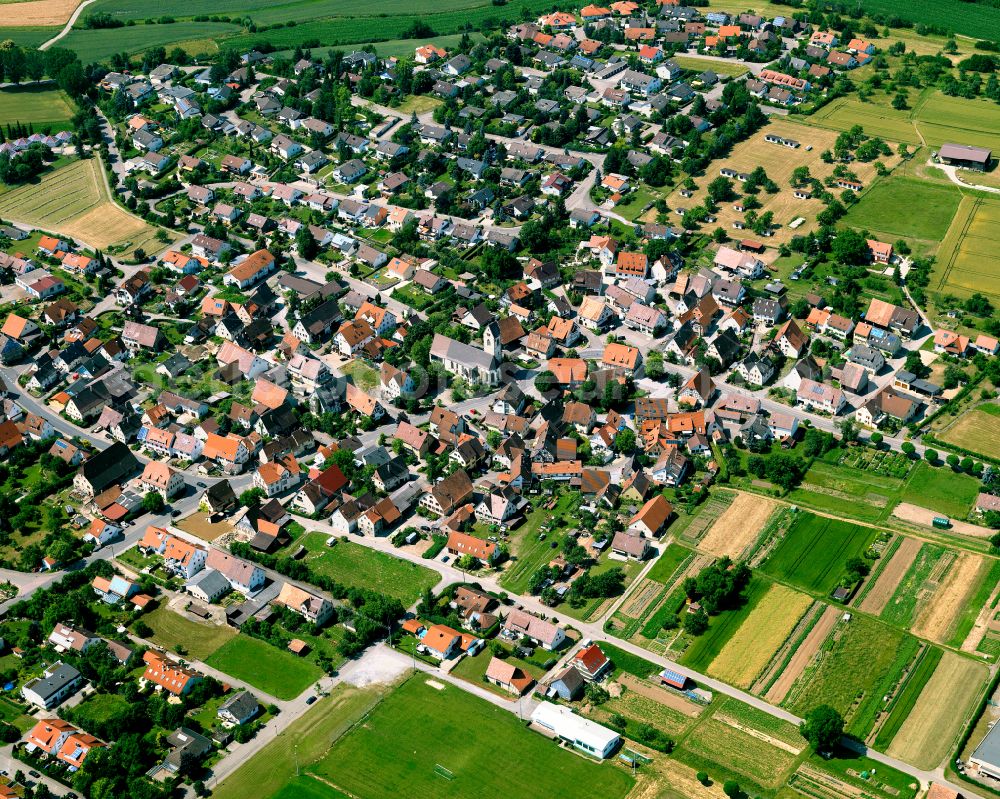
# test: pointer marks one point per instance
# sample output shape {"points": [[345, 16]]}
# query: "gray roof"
{"points": [[447, 348], [988, 750], [964, 152], [211, 582], [242, 705], [55, 679]]}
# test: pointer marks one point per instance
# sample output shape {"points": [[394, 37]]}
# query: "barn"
{"points": [[965, 156]]}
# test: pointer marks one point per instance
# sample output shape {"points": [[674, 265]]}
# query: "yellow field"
{"points": [[760, 635], [737, 528], [941, 710], [975, 430], [38, 12], [73, 201], [968, 260], [779, 163]]}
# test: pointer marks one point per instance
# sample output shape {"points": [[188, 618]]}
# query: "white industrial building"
{"points": [[582, 733]]}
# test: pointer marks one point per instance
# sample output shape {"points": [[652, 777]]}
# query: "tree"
{"points": [[696, 623], [952, 461], [822, 727], [908, 448], [731, 788], [899, 102], [930, 455], [875, 438], [624, 441], [850, 247], [306, 243], [702, 777], [153, 502]]}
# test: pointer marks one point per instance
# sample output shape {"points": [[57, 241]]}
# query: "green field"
{"points": [[977, 430], [723, 627], [902, 606], [306, 787], [904, 207], [814, 551], [41, 107], [672, 557], [905, 699], [272, 670], [171, 631], [942, 490], [362, 567], [857, 665], [29, 36], [423, 731], [101, 44], [975, 20], [847, 492]]}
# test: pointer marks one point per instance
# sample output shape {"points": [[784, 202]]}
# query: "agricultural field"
{"points": [[960, 593], [197, 38], [977, 430], [27, 36], [363, 567], [266, 667], [419, 743], [848, 492], [968, 260], [856, 666], [762, 633], [691, 527], [667, 564], [941, 490], [707, 646], [199, 641], [779, 163], [900, 207], [940, 712], [917, 584], [43, 108], [951, 15], [736, 530], [38, 13], [881, 585], [803, 655], [74, 201], [814, 552]]}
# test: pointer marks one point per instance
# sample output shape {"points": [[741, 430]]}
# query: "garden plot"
{"points": [[889, 577], [803, 656], [939, 616], [736, 530], [705, 516], [757, 759], [761, 634]]}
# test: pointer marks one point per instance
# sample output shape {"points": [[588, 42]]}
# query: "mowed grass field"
{"points": [[73, 200], [171, 630], [968, 260], [977, 430], [362, 567], [814, 551], [899, 207], [940, 712], [41, 107], [272, 670], [932, 119], [197, 38], [779, 163], [425, 725], [942, 490], [853, 670], [847, 492], [761, 634]]}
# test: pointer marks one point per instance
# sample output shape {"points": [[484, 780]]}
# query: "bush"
{"points": [[703, 778]]}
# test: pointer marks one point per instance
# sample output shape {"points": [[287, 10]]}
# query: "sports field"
{"points": [[977, 430], [272, 670], [814, 552], [933, 119], [171, 630], [899, 207], [42, 108], [779, 163], [74, 201], [363, 567], [968, 260], [941, 711], [760, 635], [429, 740]]}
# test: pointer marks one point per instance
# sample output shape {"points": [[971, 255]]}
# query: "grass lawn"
{"points": [[100, 707], [942, 490], [899, 206], [272, 773], [700, 65], [306, 787], [357, 565], [418, 104], [171, 631], [530, 553], [668, 562], [623, 661], [41, 107], [422, 727], [977, 430], [272, 670], [814, 550], [364, 377], [14, 714]]}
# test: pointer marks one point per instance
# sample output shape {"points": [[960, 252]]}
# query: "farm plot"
{"points": [[73, 201], [692, 528], [889, 577], [977, 430], [762, 633], [736, 529], [857, 665], [717, 742], [848, 492], [917, 585], [940, 712], [723, 627], [779, 163], [968, 261], [643, 709], [803, 655], [814, 552], [940, 614]]}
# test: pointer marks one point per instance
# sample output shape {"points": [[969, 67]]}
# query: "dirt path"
{"points": [[914, 513], [737, 528], [803, 655], [940, 611], [885, 584]]}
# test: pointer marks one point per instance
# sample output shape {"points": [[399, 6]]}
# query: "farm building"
{"points": [[673, 679], [582, 733], [965, 156], [986, 758]]}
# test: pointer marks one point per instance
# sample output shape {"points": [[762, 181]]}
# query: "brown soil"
{"points": [[885, 584], [803, 655], [938, 615], [918, 515]]}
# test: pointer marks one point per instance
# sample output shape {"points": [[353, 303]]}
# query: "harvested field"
{"points": [[760, 635], [977, 430], [737, 528], [781, 658], [914, 513], [939, 615], [937, 718], [803, 656], [38, 12], [888, 579], [671, 699], [665, 778]]}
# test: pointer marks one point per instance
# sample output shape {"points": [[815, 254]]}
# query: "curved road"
{"points": [[68, 27]]}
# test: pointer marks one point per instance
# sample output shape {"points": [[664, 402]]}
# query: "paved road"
{"points": [[952, 173]]}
